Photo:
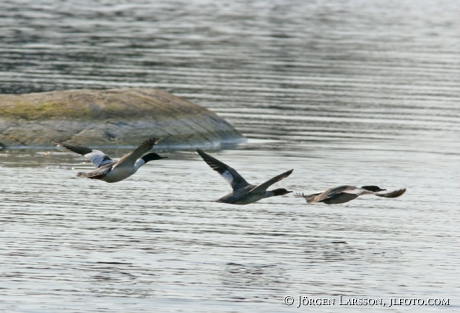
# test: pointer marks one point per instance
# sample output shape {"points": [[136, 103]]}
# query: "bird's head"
{"points": [[152, 157], [280, 191]]}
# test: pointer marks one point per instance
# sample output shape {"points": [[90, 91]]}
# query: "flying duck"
{"points": [[112, 171], [243, 192], [346, 193]]}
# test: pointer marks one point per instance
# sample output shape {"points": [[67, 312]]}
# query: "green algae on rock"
{"points": [[108, 118]]}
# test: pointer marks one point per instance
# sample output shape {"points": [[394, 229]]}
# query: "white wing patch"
{"points": [[98, 158], [353, 192], [356, 191], [228, 177]]}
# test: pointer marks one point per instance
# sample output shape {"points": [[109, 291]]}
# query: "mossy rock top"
{"points": [[96, 105], [109, 117]]}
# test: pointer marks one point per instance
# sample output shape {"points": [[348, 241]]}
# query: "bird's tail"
{"points": [[308, 198]]}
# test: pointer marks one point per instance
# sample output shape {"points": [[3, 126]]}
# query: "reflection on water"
{"points": [[350, 93]]}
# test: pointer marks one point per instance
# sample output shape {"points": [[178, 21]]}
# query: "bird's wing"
{"points": [[392, 194], [309, 198], [327, 194], [263, 187], [130, 158], [231, 176], [340, 198], [353, 190], [98, 157], [99, 172], [317, 197], [340, 194]]}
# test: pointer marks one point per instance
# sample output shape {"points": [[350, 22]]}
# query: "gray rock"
{"points": [[108, 118]]}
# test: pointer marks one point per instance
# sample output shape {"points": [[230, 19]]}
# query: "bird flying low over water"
{"points": [[243, 192], [346, 193], [112, 171]]}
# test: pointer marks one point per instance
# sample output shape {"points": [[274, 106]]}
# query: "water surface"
{"points": [[346, 93]]}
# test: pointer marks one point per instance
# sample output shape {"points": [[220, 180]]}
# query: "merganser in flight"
{"points": [[112, 171], [243, 192], [346, 193]]}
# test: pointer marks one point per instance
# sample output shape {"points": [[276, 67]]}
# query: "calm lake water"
{"points": [[350, 92]]}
